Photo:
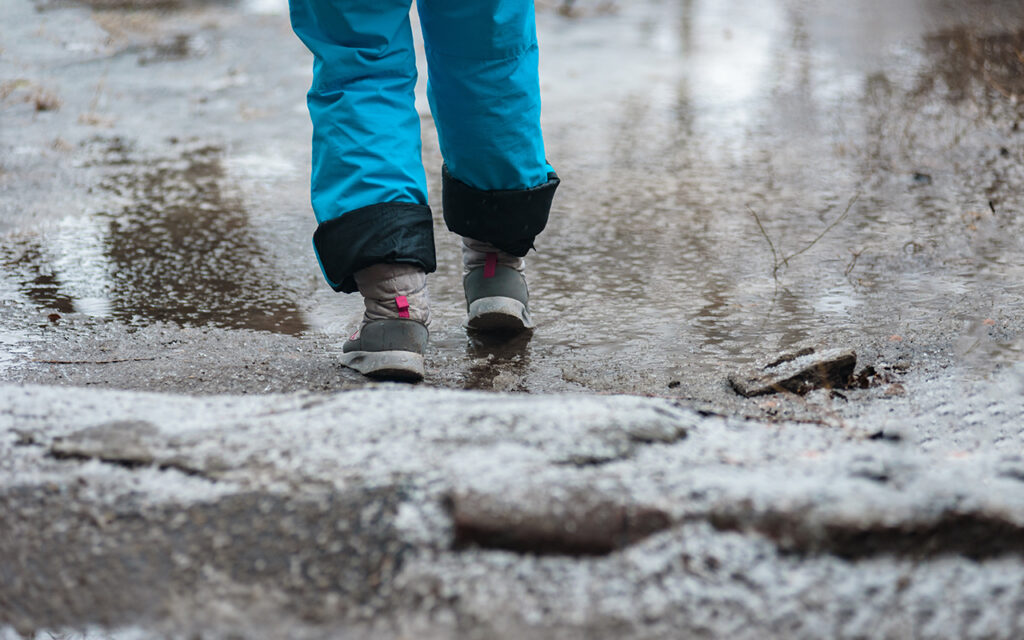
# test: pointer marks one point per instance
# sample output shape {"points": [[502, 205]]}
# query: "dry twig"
{"points": [[779, 263]]}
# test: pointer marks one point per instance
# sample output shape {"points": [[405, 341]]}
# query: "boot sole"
{"points": [[499, 314], [399, 366]]}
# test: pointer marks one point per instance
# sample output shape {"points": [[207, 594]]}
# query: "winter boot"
{"points": [[496, 295], [393, 336]]}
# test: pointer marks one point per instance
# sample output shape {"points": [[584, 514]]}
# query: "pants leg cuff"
{"points": [[390, 232], [509, 220]]}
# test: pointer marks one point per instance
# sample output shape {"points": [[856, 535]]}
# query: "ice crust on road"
{"points": [[510, 515]]}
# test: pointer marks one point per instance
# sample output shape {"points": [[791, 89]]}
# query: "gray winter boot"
{"points": [[496, 295], [393, 336]]}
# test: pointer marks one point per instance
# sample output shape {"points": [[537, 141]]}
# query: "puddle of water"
{"points": [[262, 166], [697, 115], [174, 248], [266, 7], [709, 151]]}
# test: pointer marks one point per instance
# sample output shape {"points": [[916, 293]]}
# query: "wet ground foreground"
{"points": [[740, 181]]}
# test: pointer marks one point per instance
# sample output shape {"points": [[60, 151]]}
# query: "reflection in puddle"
{"points": [[176, 249], [499, 362], [654, 260], [966, 58], [44, 289], [266, 7]]}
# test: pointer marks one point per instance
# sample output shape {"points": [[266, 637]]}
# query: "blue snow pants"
{"points": [[368, 186]]}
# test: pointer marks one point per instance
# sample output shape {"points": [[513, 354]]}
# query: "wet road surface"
{"points": [[739, 179]]}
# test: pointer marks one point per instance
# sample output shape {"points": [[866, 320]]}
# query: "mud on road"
{"points": [[738, 183]]}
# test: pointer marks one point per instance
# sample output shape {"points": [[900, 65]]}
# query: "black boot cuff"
{"points": [[391, 232], [509, 220]]}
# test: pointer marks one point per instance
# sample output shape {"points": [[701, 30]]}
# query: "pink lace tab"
{"points": [[403, 306], [491, 265]]}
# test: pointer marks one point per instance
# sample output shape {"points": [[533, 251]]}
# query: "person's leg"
{"points": [[484, 94], [368, 188]]}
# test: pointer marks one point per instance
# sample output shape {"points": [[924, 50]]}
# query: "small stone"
{"points": [[121, 441], [577, 523], [798, 372], [896, 389]]}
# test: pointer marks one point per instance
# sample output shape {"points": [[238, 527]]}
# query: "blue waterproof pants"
{"points": [[368, 185]]}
